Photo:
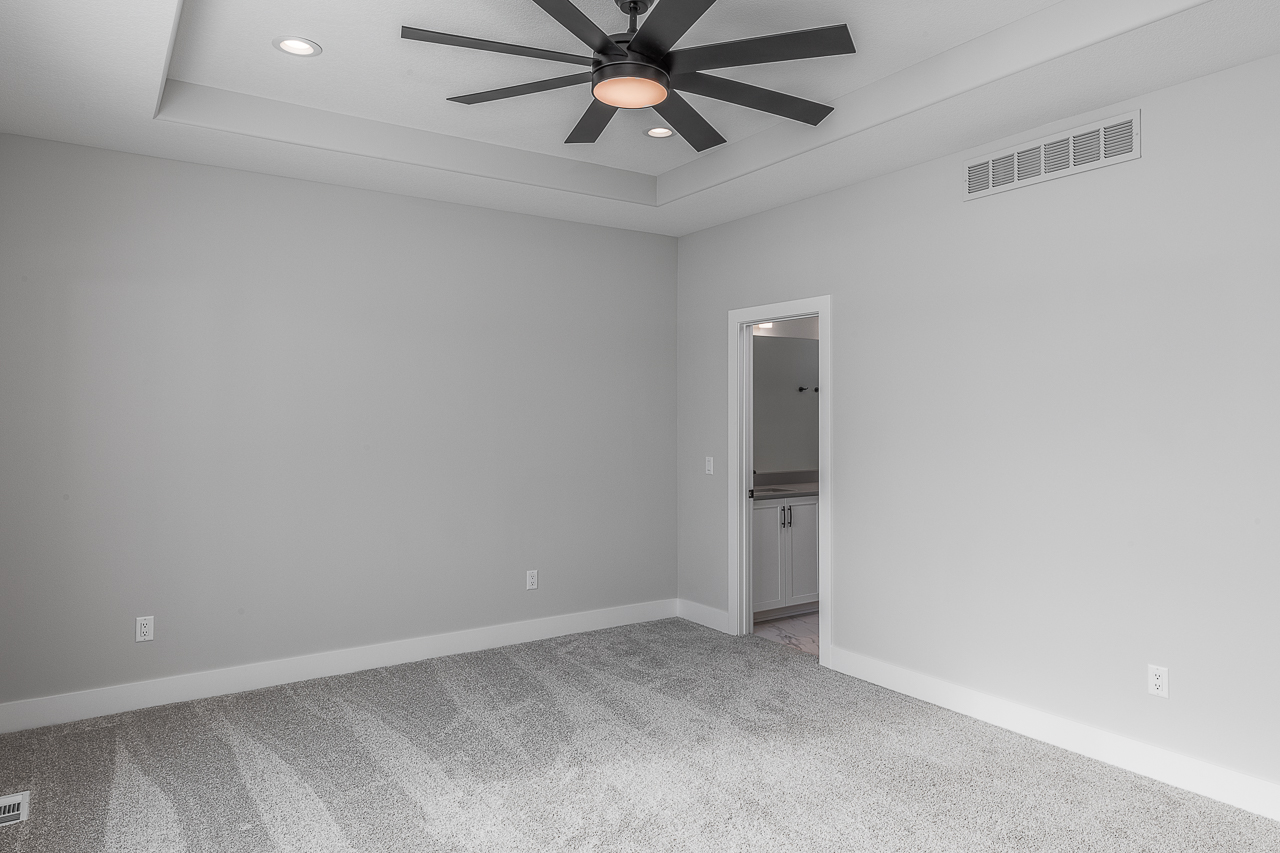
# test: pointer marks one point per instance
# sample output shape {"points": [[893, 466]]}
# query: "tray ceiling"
{"points": [[367, 70], [201, 81]]}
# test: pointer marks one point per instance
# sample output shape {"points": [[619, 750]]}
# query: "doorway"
{"points": [[784, 486], [780, 490]]}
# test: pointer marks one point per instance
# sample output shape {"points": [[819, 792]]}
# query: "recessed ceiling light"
{"points": [[659, 132], [297, 46]]}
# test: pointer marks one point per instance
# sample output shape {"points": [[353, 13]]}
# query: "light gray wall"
{"points": [[1056, 422], [785, 422], [287, 417]]}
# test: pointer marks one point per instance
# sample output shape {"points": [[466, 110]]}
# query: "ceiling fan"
{"points": [[638, 68]]}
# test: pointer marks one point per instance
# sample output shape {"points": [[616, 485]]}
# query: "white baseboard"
{"points": [[1228, 786], [1191, 774], [702, 614], [66, 707]]}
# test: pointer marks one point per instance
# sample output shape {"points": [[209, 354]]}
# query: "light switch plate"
{"points": [[711, 464]]}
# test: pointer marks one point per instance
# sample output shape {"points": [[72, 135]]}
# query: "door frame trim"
{"points": [[740, 321]]}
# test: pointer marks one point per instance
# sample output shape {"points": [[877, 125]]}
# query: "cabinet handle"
{"points": [[788, 516], [782, 515]]}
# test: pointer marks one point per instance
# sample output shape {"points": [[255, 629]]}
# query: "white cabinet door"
{"points": [[802, 530], [768, 582]]}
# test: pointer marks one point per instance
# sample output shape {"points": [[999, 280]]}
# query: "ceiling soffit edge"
{"points": [[1042, 37], [249, 115], [1051, 33], [168, 56]]}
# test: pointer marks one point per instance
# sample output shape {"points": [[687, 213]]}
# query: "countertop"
{"points": [[785, 490]]}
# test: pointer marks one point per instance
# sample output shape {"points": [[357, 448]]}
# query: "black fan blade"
{"points": [[524, 89], [495, 46], [688, 122], [805, 44], [592, 123], [572, 19], [666, 24], [745, 95]]}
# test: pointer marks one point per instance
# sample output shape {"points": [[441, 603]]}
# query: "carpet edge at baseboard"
{"points": [[133, 696], [710, 617], [1182, 771]]}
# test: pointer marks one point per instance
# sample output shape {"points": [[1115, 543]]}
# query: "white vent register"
{"points": [[13, 808], [1098, 144]]}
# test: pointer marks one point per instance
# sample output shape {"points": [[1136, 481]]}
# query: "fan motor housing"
{"points": [[629, 68]]}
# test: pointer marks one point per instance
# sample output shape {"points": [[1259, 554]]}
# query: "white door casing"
{"points": [[740, 321]]}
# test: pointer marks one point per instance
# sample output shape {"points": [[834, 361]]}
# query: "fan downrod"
{"points": [[632, 9]]}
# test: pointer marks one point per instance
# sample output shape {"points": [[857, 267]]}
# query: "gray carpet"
{"points": [[653, 737]]}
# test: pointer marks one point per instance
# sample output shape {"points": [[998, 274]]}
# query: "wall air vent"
{"points": [[1098, 144], [14, 808]]}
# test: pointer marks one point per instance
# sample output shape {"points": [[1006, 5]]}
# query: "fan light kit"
{"points": [[639, 68], [659, 132], [630, 86], [297, 46]]}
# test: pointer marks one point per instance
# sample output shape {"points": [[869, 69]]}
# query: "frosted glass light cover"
{"points": [[630, 93]]}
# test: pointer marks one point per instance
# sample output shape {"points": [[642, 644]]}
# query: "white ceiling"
{"points": [[367, 70], [201, 82]]}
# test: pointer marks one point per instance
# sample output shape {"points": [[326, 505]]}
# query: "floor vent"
{"points": [[14, 807], [1093, 146]]}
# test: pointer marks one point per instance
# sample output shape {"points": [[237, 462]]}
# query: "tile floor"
{"points": [[798, 632]]}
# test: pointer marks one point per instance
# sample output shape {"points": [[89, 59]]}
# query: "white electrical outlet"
{"points": [[1158, 680], [145, 629], [531, 579], [711, 464]]}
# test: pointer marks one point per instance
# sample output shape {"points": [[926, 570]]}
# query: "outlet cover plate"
{"points": [[531, 579], [144, 629], [1158, 680]]}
